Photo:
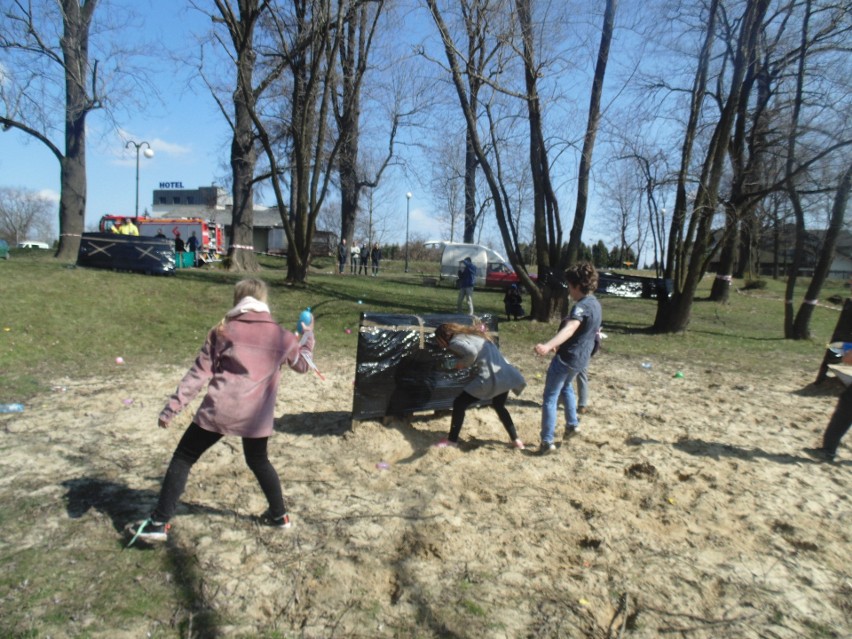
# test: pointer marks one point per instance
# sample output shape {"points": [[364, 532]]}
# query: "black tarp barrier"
{"points": [[154, 255], [633, 285], [401, 370]]}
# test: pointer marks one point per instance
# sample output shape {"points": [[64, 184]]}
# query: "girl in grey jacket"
{"points": [[493, 380]]}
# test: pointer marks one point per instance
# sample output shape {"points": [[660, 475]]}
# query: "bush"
{"points": [[754, 285]]}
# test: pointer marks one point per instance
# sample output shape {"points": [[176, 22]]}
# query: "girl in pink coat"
{"points": [[241, 364]]}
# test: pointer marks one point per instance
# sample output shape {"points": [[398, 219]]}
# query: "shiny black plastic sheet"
{"points": [[633, 286], [401, 370], [127, 253]]}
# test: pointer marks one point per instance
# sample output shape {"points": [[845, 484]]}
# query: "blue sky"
{"points": [[190, 140], [187, 133]]}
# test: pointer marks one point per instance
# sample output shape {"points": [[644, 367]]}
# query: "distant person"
{"points": [[129, 228], [494, 378], [192, 247], [160, 234], [513, 302], [364, 255], [116, 226], [838, 425], [240, 363], [573, 345], [354, 257], [342, 254], [467, 278], [180, 247], [375, 258], [192, 243]]}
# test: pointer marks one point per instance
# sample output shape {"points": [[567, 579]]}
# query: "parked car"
{"points": [[33, 245], [4, 249], [492, 270]]}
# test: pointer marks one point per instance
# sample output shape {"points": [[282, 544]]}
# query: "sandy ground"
{"points": [[685, 508]]}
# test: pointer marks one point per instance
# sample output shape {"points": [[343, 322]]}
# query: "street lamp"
{"points": [[407, 211], [149, 153]]}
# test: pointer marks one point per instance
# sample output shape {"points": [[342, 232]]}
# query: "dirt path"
{"points": [[685, 508]]}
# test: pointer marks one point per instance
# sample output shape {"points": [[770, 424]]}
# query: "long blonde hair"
{"points": [[249, 287], [449, 330]]}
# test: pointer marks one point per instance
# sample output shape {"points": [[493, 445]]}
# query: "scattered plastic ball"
{"points": [[119, 360], [382, 465], [678, 375], [348, 331], [360, 302]]}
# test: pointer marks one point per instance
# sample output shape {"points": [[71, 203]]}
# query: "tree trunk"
{"points": [[594, 117], [470, 167], [694, 247], [241, 255], [720, 291], [795, 200], [801, 325], [72, 198], [77, 20]]}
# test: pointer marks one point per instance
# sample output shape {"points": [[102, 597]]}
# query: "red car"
{"points": [[501, 275]]}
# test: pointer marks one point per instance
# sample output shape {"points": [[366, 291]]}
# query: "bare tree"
{"points": [[23, 213], [253, 74], [801, 324], [594, 116], [308, 35], [448, 183], [48, 69], [689, 248], [798, 327], [360, 23], [550, 294]]}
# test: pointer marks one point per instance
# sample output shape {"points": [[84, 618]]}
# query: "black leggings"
{"points": [[464, 401], [839, 423], [192, 446]]}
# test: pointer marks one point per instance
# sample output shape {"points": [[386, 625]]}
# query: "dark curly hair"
{"points": [[583, 275]]}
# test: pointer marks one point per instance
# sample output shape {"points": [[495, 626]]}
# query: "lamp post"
{"points": [[149, 153], [407, 211]]}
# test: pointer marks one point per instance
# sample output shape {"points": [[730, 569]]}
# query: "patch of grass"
{"points": [[64, 321], [56, 588]]}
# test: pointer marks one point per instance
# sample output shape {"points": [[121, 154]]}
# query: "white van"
{"points": [[33, 245], [492, 269]]}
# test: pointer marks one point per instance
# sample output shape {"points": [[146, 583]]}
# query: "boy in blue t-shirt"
{"points": [[573, 345]]}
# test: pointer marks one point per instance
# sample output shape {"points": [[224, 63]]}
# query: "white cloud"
{"points": [[49, 194], [127, 154], [169, 148]]}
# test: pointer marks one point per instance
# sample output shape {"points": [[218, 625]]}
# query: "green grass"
{"points": [[63, 321], [59, 321]]}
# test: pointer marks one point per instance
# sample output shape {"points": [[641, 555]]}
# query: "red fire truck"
{"points": [[210, 235]]}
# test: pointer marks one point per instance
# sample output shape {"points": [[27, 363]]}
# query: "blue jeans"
{"points": [[583, 388], [559, 383], [465, 293]]}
